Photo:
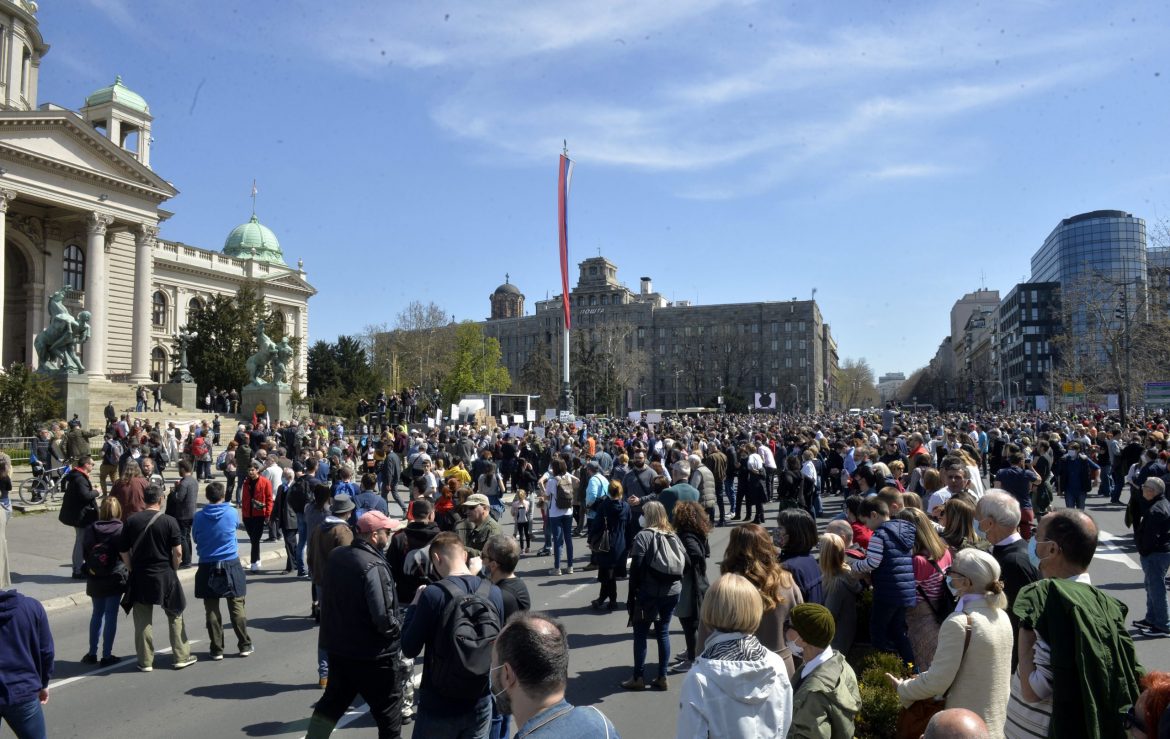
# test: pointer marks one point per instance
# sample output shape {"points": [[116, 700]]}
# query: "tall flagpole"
{"points": [[564, 177]]}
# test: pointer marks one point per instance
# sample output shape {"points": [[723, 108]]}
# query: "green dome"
{"points": [[118, 93], [253, 240]]}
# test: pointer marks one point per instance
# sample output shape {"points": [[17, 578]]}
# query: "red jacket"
{"points": [[259, 490], [861, 534]]}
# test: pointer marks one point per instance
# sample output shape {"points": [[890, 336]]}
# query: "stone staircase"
{"points": [[123, 394]]}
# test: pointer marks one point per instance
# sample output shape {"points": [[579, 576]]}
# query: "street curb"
{"points": [[64, 602]]}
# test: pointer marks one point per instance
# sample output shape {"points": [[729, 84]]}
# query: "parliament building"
{"points": [[81, 210]]}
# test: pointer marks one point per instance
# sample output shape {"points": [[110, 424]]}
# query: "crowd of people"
{"points": [[950, 550]]}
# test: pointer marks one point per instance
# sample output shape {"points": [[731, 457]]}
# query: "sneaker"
{"points": [[1157, 631], [255, 567], [246, 652], [217, 657], [634, 683], [145, 668], [681, 666], [89, 659], [110, 659], [1143, 624], [659, 684], [589, 568], [569, 570], [186, 663], [554, 571]]}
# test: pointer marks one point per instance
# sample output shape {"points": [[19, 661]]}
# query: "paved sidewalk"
{"points": [[39, 555]]}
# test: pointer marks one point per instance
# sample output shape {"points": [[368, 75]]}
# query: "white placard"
{"points": [[539, 431], [531, 415], [653, 417], [635, 416], [550, 412], [517, 419]]}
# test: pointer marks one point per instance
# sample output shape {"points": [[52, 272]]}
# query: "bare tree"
{"points": [[855, 383]]}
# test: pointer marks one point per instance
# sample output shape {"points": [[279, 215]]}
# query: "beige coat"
{"points": [[981, 683]]}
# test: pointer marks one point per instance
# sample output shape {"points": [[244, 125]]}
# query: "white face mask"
{"points": [[641, 522], [796, 649]]}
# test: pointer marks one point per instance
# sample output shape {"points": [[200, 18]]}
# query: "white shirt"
{"points": [[816, 662], [1012, 538]]}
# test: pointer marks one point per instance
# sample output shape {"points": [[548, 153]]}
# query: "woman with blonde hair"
{"points": [[931, 559], [972, 665], [958, 522], [737, 687], [751, 553], [653, 593], [974, 476], [841, 590], [105, 580]]}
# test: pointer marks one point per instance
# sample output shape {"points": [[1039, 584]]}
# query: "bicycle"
{"points": [[44, 486]]}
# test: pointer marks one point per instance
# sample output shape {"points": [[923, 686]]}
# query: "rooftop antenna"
{"points": [[982, 279], [814, 295]]}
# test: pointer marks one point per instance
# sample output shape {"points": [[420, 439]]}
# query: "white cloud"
{"points": [[737, 98], [467, 33]]}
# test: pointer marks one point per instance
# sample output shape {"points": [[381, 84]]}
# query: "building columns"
{"points": [[6, 197], [144, 236], [95, 293]]}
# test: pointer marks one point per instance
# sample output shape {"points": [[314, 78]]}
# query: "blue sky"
{"points": [[891, 155]]}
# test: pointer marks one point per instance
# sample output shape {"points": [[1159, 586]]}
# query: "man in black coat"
{"points": [[79, 509], [998, 514], [361, 631]]}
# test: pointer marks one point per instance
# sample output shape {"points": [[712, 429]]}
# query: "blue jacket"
{"points": [[894, 577], [26, 648], [214, 530]]}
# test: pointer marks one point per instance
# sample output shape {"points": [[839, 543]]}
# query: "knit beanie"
{"points": [[814, 623]]}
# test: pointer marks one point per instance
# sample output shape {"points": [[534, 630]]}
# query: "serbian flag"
{"points": [[564, 177]]}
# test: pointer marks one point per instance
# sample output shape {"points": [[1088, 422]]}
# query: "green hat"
{"points": [[814, 623]]}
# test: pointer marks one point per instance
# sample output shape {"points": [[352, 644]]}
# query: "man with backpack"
{"points": [[362, 642], [111, 455], [456, 620]]}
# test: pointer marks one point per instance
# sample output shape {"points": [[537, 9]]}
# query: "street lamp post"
{"points": [[642, 401], [795, 395], [1016, 384], [676, 374]]}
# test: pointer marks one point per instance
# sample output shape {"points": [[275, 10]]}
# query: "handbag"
{"points": [[600, 542], [912, 720], [127, 602]]}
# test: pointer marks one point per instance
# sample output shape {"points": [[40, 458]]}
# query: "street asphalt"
{"points": [[271, 693]]}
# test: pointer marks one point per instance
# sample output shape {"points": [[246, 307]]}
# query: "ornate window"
{"points": [[158, 364], [158, 312], [194, 305], [74, 266], [278, 321]]}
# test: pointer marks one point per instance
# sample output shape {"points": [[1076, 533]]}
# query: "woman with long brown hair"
{"points": [[751, 553], [958, 522], [692, 525]]}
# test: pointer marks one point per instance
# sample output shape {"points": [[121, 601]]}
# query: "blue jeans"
{"points": [[474, 725], [1074, 500], [562, 529], [887, 628], [105, 609], [1106, 487], [27, 720], [663, 607], [1154, 566], [729, 491], [302, 539]]}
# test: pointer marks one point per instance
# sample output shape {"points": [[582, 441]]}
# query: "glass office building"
{"points": [[1105, 245]]}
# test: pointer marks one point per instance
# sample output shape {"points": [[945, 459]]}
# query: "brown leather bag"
{"points": [[912, 721]]}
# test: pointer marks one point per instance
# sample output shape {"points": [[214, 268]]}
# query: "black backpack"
{"points": [[468, 627], [102, 559]]}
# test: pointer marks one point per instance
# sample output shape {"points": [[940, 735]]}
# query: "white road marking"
{"points": [[1112, 552], [572, 591], [103, 670]]}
